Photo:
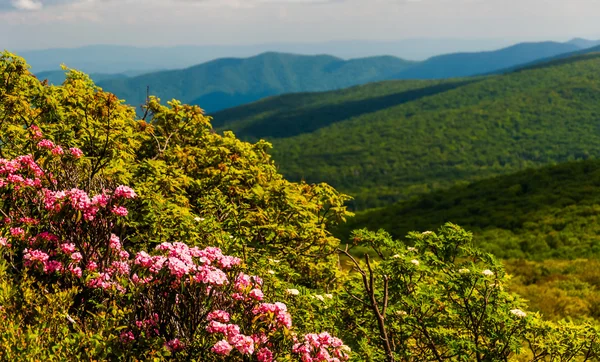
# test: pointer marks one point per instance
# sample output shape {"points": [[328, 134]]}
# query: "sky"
{"points": [[37, 24]]}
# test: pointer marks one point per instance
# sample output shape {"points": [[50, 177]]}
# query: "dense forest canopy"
{"points": [[410, 138]]}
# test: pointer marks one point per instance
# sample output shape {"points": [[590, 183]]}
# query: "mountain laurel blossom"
{"points": [[174, 274]]}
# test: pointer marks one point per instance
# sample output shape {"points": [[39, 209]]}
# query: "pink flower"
{"points": [[120, 267], [45, 144], [123, 255], [76, 271], [115, 242], [17, 232], [120, 211], [127, 337], [76, 152], [57, 150], [32, 256], [37, 133], [256, 294], [92, 266], [243, 282], [125, 192], [4, 242], [143, 259], [100, 200], [52, 266], [320, 347], [29, 221], [175, 345], [178, 268], [227, 262], [209, 275], [216, 327], [67, 248], [264, 355], [76, 257], [101, 281], [218, 315], [244, 344], [222, 348]]}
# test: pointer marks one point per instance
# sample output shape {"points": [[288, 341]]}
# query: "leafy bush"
{"points": [[183, 298], [442, 299]]}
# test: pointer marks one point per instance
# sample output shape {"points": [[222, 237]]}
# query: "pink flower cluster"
{"points": [[125, 192], [177, 273], [20, 172], [276, 312], [272, 317], [234, 339], [322, 348], [182, 261], [79, 200]]}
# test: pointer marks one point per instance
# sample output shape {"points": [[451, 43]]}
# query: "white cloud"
{"points": [[27, 4]]}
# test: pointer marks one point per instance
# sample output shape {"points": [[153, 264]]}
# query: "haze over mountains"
{"points": [[229, 82], [120, 59]]}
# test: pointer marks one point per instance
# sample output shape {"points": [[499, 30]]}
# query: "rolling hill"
{"points": [[584, 43], [225, 83], [550, 212], [229, 82], [383, 142], [119, 58], [297, 113], [469, 64]]}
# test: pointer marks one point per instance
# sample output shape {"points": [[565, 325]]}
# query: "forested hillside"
{"points": [[229, 82], [550, 212], [293, 114], [477, 128]]}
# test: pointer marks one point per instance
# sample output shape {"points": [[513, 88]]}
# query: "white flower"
{"points": [[292, 291], [231, 236], [319, 297], [275, 261], [415, 261], [330, 296], [401, 313], [410, 248], [464, 271], [519, 313], [198, 219], [271, 271], [487, 273], [396, 256], [427, 232]]}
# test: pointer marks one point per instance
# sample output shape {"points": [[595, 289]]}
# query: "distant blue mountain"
{"points": [[469, 64], [229, 82]]}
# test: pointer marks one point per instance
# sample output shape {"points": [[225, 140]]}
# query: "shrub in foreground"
{"points": [[180, 301]]}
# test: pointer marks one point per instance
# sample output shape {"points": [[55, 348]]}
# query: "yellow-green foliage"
{"points": [[558, 288], [194, 185], [37, 324]]}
